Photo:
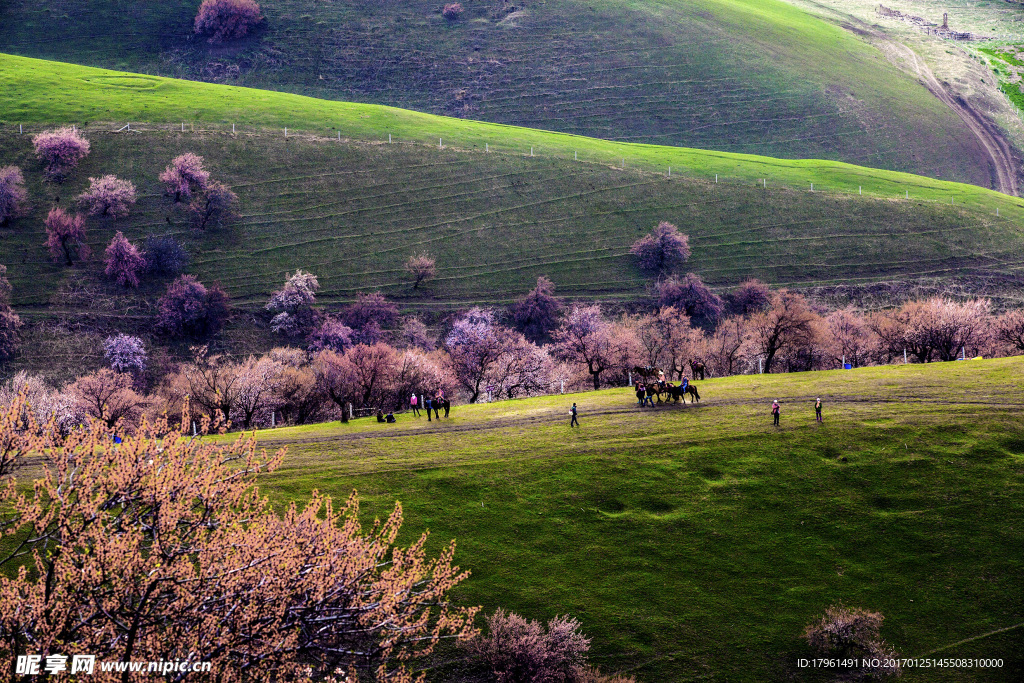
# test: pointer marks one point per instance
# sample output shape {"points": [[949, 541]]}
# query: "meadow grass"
{"points": [[696, 542], [754, 76]]}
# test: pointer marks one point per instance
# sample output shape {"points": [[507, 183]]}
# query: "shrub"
{"points": [[124, 261], [60, 151], [853, 633], [184, 176], [12, 194], [212, 207], [663, 250], [190, 309], [125, 353], [108, 196], [165, 256], [452, 11], [65, 236], [165, 549], [422, 268], [226, 20], [519, 651]]}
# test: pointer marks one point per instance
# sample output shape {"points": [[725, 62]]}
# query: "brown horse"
{"points": [[697, 368], [676, 393]]}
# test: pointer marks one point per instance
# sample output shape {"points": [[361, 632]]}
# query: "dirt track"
{"points": [[1004, 167]]}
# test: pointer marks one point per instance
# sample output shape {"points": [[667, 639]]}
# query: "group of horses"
{"points": [[649, 386]]}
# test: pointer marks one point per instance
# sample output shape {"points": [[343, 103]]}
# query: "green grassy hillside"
{"points": [[696, 542], [754, 76], [353, 210]]}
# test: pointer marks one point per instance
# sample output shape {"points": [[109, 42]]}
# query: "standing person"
{"points": [[415, 403], [775, 412], [426, 404], [574, 421], [817, 409], [640, 395]]}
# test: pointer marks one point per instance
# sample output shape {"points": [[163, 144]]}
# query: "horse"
{"points": [[447, 405], [654, 389], [645, 373], [676, 393], [697, 368]]}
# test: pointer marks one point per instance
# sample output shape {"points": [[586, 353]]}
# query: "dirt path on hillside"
{"points": [[988, 135]]}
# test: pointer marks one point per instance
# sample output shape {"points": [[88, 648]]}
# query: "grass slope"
{"points": [[353, 211], [696, 542], [754, 76]]}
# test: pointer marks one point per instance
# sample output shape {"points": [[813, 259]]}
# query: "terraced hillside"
{"points": [[754, 76], [695, 542], [353, 209]]}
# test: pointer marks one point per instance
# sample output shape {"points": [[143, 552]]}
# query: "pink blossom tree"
{"points": [[587, 338], [225, 20], [452, 11], [536, 314], [752, 296], [519, 650], [332, 334], [10, 323], [125, 353], [292, 305], [108, 396], [65, 236], [108, 196], [165, 549], [184, 176], [663, 250], [190, 309], [60, 151], [422, 267], [692, 297], [213, 206], [124, 262], [13, 195], [474, 345], [1009, 328]]}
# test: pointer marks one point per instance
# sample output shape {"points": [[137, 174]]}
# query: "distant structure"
{"points": [[928, 27]]}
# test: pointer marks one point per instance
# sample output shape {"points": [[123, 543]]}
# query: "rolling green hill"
{"points": [[753, 76], [696, 542], [352, 210]]}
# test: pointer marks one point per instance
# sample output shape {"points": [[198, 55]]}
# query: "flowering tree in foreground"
{"points": [[164, 549], [227, 19], [12, 194], [65, 236], [108, 196], [124, 261], [60, 151]]}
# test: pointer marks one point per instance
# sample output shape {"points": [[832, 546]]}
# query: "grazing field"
{"points": [[695, 542], [752, 76]]}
